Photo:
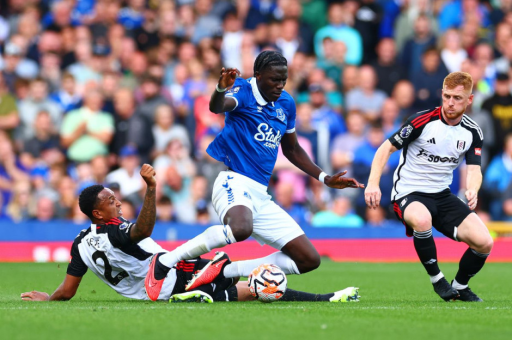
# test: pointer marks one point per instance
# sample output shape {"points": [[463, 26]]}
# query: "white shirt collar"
{"points": [[256, 92]]}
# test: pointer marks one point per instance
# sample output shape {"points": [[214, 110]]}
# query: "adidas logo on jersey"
{"points": [[432, 141]]}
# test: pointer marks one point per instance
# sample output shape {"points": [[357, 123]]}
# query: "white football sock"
{"points": [[437, 277], [458, 286], [216, 236], [244, 268]]}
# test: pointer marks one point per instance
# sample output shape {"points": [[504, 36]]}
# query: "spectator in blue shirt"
{"points": [[340, 31]]}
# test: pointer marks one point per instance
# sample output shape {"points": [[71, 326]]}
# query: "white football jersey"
{"points": [[432, 150], [109, 252]]}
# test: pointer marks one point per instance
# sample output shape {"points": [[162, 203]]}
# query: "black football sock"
{"points": [[470, 264], [295, 295], [161, 271], [426, 250]]}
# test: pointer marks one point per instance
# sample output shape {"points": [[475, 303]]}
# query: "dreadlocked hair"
{"points": [[88, 199], [269, 58]]}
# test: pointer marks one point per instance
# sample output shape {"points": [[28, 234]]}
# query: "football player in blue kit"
{"points": [[260, 115]]}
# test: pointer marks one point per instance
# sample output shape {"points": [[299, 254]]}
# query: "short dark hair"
{"points": [[269, 58], [89, 198]]}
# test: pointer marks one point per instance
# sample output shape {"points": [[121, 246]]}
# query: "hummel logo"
{"points": [[225, 185], [260, 108], [229, 177], [432, 141], [431, 261]]}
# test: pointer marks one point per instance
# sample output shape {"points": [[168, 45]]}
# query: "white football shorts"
{"points": [[271, 224]]}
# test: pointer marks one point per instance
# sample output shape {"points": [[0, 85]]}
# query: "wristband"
{"points": [[218, 89], [322, 176]]}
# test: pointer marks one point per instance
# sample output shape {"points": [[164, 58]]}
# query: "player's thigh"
{"points": [[452, 213], [273, 226], [230, 197], [475, 234], [418, 216]]}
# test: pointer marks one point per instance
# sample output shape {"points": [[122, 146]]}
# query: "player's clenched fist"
{"points": [[228, 77], [372, 196], [472, 198], [148, 175]]}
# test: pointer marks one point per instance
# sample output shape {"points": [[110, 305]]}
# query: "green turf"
{"points": [[397, 303]]}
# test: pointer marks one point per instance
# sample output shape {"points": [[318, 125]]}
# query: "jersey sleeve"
{"points": [[474, 153], [406, 134], [238, 92], [119, 232], [76, 266], [292, 113]]}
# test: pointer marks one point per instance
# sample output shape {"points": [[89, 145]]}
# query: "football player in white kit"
{"points": [[260, 116], [118, 252], [433, 144]]}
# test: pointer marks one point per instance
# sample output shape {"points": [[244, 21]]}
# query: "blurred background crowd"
{"points": [[91, 89]]}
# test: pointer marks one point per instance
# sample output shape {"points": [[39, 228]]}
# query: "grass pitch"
{"points": [[398, 302]]}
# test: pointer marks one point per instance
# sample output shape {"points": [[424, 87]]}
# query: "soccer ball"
{"points": [[267, 283]]}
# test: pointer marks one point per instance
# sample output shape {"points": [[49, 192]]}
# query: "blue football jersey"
{"points": [[249, 142]]}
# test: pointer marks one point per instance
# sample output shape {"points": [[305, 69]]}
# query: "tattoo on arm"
{"points": [[147, 217]]}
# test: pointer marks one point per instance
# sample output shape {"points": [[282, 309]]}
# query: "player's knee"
{"points": [[311, 263], [486, 245], [420, 222], [241, 228]]}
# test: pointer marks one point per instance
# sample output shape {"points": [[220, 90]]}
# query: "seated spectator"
{"points": [[86, 132], [67, 97], [452, 53], [376, 218], [415, 47], [131, 127], [15, 65], [44, 210], [503, 63], [284, 197], [389, 116], [11, 168], [67, 196], [362, 165], [340, 215], [339, 30], [36, 102], [317, 136], [100, 169], [349, 78], [9, 118], [18, 208], [175, 171], [128, 210], [128, 175], [404, 96], [77, 216], [426, 80], [344, 146], [164, 210], [386, 66], [323, 114], [366, 98], [497, 179], [151, 89], [45, 135], [166, 130], [499, 108]]}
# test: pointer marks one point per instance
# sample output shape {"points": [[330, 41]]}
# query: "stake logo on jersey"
{"points": [[432, 150], [253, 130]]}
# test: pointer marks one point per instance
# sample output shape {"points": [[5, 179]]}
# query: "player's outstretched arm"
{"points": [[147, 217], [296, 154], [473, 183], [218, 102], [372, 193], [66, 291]]}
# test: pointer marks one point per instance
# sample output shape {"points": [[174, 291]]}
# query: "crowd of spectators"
{"points": [[91, 89]]}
